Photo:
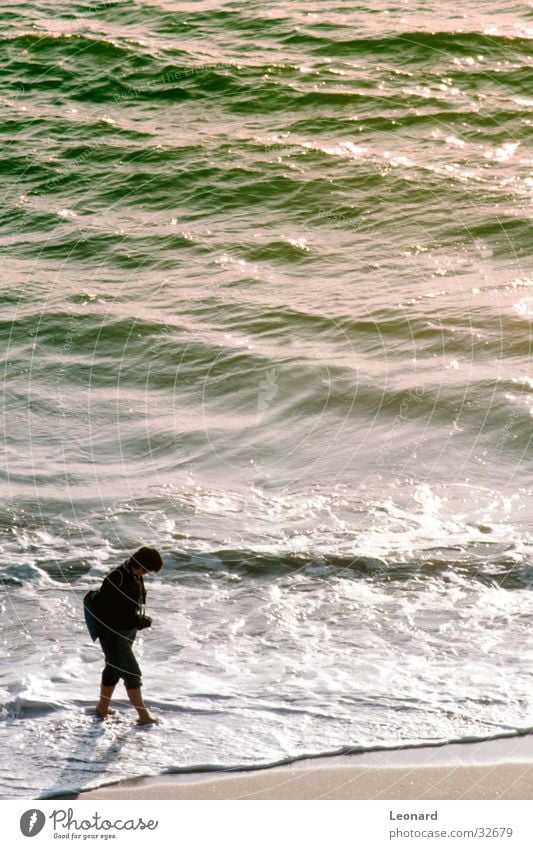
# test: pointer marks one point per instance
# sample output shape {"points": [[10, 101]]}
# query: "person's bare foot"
{"points": [[104, 713], [147, 720]]}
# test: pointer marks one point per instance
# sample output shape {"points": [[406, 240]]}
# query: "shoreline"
{"points": [[501, 768]]}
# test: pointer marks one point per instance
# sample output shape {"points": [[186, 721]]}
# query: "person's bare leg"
{"points": [[136, 698], [102, 708]]}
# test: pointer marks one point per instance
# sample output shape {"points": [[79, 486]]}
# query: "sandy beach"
{"points": [[496, 769]]}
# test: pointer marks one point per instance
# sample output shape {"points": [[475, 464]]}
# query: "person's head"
{"points": [[145, 560]]}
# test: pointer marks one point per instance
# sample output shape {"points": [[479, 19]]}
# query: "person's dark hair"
{"points": [[148, 558]]}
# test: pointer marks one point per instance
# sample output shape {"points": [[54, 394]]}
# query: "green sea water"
{"points": [[265, 302]]}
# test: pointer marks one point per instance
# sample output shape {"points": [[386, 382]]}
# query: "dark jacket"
{"points": [[119, 599]]}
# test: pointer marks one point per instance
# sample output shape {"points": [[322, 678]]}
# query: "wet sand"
{"points": [[495, 769]]}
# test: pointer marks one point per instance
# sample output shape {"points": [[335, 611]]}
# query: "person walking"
{"points": [[118, 607]]}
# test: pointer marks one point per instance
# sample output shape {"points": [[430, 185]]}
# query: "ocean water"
{"points": [[266, 302]]}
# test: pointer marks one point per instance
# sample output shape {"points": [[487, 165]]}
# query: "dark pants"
{"points": [[120, 661]]}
